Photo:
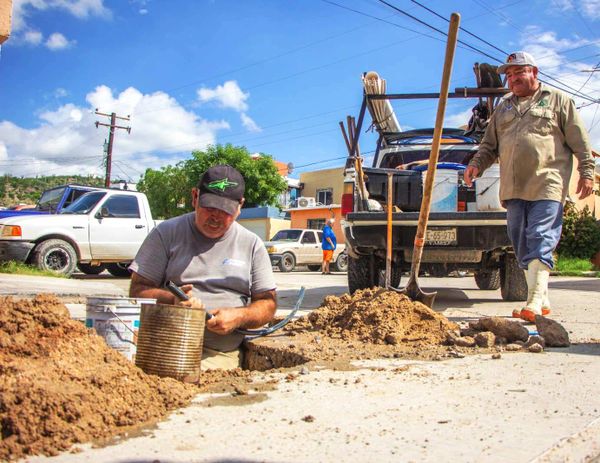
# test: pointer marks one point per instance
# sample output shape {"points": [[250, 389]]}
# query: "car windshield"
{"points": [[84, 204], [50, 199], [287, 235]]}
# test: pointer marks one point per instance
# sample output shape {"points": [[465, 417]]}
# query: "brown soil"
{"points": [[60, 384], [373, 323]]}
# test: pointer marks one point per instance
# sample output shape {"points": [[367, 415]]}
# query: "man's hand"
{"points": [[470, 173], [585, 187], [225, 320]]}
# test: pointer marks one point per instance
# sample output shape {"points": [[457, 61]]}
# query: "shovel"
{"points": [[412, 288]]}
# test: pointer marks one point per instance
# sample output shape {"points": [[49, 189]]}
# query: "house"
{"points": [[265, 221], [321, 194]]}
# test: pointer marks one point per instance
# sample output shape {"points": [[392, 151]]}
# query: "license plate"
{"points": [[441, 236]]}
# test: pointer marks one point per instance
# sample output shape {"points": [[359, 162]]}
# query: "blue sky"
{"points": [[275, 75]]}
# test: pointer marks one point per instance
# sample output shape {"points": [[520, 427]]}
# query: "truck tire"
{"points": [[341, 263], [91, 269], [513, 285], [56, 256], [314, 268], [488, 279], [119, 269], [287, 262], [359, 273]]}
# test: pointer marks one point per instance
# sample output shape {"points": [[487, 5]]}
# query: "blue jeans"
{"points": [[534, 228]]}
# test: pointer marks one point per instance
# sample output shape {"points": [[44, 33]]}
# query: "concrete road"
{"points": [[520, 408]]}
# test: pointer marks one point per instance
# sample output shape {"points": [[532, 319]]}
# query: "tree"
{"points": [[169, 189], [263, 181]]}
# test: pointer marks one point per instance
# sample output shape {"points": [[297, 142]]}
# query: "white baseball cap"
{"points": [[518, 58]]}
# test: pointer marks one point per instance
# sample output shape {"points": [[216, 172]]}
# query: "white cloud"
{"points": [[33, 37], [458, 120], [591, 8], [249, 123], [143, 11], [60, 93], [228, 95], [79, 8], [57, 41], [67, 141]]}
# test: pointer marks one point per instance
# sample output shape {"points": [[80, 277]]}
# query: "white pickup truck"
{"points": [[297, 246], [101, 229]]}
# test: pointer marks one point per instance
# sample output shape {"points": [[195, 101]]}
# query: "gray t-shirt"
{"points": [[225, 272]]}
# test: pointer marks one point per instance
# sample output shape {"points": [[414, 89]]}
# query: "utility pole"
{"points": [[113, 125]]}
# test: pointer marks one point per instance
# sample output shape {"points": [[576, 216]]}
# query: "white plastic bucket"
{"points": [[117, 320], [487, 190], [444, 197]]}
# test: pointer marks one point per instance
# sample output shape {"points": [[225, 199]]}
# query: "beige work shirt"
{"points": [[535, 140]]}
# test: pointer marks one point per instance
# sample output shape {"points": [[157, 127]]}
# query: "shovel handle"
{"points": [[435, 146]]}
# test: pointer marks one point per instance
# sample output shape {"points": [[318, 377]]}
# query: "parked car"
{"points": [[297, 246], [101, 229]]}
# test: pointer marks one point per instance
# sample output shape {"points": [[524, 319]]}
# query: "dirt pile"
{"points": [[377, 316], [60, 384]]}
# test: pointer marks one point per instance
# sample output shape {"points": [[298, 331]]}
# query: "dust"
{"points": [[60, 384]]}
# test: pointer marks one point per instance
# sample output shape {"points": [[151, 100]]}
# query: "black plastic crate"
{"points": [[408, 187]]}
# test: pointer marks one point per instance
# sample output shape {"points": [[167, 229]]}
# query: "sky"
{"points": [[275, 76]]}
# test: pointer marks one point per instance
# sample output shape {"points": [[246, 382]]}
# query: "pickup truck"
{"points": [[296, 246], [104, 228], [462, 239], [52, 200]]}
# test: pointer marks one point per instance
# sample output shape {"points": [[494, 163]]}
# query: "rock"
{"points": [[392, 339], [304, 371], [535, 339], [501, 341], [485, 339], [468, 331], [512, 347], [553, 332], [466, 341], [456, 354], [497, 356], [536, 348], [511, 330]]}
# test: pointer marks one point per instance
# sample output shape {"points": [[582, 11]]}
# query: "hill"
{"points": [[24, 190]]}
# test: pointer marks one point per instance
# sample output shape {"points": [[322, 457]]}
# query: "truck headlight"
{"points": [[11, 230], [271, 249]]}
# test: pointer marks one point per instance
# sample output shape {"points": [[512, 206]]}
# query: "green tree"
{"points": [[580, 236], [263, 182], [169, 189]]}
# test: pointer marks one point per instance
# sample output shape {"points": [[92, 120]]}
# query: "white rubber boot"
{"points": [[538, 275]]}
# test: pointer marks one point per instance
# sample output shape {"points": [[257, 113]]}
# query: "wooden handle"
{"points": [[388, 248], [435, 146]]}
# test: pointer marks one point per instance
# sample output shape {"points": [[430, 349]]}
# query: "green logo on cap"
{"points": [[221, 185]]}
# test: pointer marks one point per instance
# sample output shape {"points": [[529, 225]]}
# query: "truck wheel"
{"points": [[359, 274], [488, 279], [91, 269], [287, 262], [56, 256], [513, 285], [341, 263], [119, 269], [314, 268]]}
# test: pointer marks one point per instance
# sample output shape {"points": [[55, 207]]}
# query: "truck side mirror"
{"points": [[103, 212]]}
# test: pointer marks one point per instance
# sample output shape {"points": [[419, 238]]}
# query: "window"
{"points": [[315, 224], [123, 206], [325, 196], [309, 237], [287, 235]]}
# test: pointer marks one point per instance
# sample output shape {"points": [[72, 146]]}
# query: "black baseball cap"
{"points": [[221, 187]]}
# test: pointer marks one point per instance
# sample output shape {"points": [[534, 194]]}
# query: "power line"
{"points": [[481, 51]]}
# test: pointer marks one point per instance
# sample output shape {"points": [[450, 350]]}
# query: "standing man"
{"points": [[328, 245], [218, 263], [534, 133]]}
